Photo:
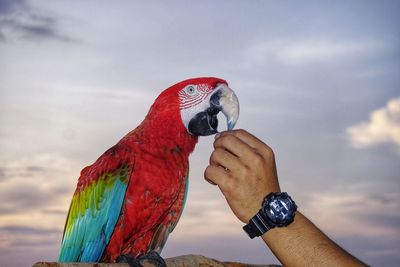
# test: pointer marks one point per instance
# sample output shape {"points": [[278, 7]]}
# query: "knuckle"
{"points": [[269, 152], [226, 139], [218, 152], [245, 172], [258, 160], [216, 142], [208, 175], [214, 156], [207, 172]]}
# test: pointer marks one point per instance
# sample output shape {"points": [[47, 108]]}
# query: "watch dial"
{"points": [[279, 210]]}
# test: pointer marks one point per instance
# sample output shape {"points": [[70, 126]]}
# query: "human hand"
{"points": [[244, 169]]}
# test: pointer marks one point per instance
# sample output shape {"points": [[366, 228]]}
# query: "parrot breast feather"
{"points": [[92, 216]]}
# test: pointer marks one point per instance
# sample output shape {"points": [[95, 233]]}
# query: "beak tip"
{"points": [[231, 124]]}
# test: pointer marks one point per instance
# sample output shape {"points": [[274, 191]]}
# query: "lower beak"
{"points": [[206, 122]]}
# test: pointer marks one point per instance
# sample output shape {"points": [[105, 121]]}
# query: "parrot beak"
{"points": [[225, 100], [222, 99]]}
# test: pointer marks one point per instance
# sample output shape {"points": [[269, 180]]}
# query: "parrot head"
{"points": [[187, 110], [198, 101], [201, 100]]}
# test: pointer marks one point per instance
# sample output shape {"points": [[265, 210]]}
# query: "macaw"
{"points": [[129, 200]]}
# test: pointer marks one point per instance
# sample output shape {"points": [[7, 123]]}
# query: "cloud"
{"points": [[30, 195], [382, 127], [7, 6], [34, 196], [310, 52], [367, 215], [36, 185], [26, 230], [18, 236], [28, 244], [366, 224], [10, 172], [2, 174], [18, 20], [372, 250], [294, 52]]}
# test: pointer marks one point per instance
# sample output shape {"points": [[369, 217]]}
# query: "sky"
{"points": [[318, 81]]}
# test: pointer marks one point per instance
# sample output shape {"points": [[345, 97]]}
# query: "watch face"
{"points": [[280, 209]]}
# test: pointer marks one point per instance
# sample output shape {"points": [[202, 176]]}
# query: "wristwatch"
{"points": [[278, 209]]}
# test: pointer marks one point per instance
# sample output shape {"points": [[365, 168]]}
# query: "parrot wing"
{"points": [[95, 208], [164, 229]]}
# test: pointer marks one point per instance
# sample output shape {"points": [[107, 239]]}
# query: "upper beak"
{"points": [[225, 100], [206, 122]]}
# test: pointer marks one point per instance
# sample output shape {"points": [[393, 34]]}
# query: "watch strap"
{"points": [[257, 226]]}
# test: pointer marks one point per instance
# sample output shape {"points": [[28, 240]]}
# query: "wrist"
{"points": [[277, 210], [255, 205], [295, 224]]}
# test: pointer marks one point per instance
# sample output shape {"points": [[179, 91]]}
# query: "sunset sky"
{"points": [[319, 81]]}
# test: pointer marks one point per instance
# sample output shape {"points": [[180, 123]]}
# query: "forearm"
{"points": [[244, 169], [303, 244]]}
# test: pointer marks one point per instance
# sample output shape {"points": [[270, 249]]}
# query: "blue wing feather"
{"points": [[87, 233]]}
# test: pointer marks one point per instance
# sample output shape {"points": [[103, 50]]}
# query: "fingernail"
{"points": [[217, 135]]}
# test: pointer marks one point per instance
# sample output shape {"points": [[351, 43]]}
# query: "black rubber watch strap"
{"points": [[257, 226]]}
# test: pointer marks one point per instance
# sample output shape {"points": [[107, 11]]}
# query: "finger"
{"points": [[254, 142], [237, 147], [216, 175], [248, 138], [222, 157]]}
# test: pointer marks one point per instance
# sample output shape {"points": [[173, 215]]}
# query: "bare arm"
{"points": [[303, 244], [244, 169]]}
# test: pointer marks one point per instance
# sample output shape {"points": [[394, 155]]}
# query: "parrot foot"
{"points": [[126, 258], [150, 259], [153, 259]]}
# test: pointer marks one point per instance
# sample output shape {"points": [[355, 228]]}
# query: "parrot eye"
{"points": [[190, 89]]}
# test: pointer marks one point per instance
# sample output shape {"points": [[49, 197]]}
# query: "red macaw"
{"points": [[131, 198]]}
